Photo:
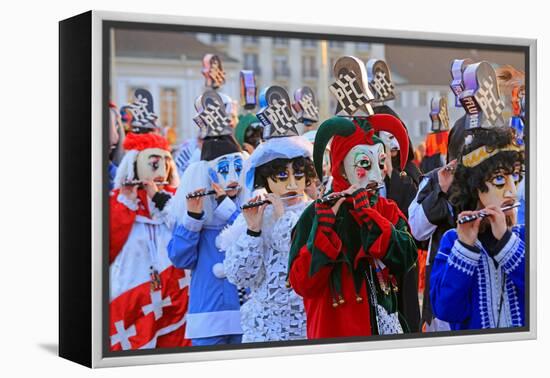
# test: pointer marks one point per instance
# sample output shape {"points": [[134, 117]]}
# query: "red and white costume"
{"points": [[143, 313]]}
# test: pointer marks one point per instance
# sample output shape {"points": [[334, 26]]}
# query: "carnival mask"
{"points": [[226, 169], [390, 141], [502, 185], [364, 164], [288, 182], [153, 164]]}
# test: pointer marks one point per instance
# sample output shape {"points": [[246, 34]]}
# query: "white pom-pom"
{"points": [[468, 140], [218, 270]]}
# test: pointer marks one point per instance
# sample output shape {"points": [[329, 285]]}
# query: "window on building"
{"points": [[362, 46], [309, 66], [251, 62], [280, 41], [280, 66], [220, 38], [309, 43], [336, 44], [169, 112], [251, 39], [423, 99]]}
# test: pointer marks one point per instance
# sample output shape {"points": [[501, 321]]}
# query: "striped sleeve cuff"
{"points": [[463, 259], [512, 254]]}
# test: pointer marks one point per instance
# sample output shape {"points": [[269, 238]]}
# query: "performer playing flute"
{"points": [[213, 316], [346, 258], [478, 275], [257, 245]]}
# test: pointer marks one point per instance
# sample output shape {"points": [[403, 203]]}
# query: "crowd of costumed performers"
{"points": [[275, 224]]}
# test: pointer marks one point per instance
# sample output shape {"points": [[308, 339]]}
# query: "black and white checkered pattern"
{"points": [[309, 110], [349, 95], [141, 115], [213, 121], [489, 101], [280, 119], [383, 87]]}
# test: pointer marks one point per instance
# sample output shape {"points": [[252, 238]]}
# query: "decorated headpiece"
{"points": [[143, 116], [380, 81], [248, 89], [212, 118], [351, 88], [481, 97], [212, 71], [276, 113], [484, 107], [457, 84], [306, 105], [439, 114], [437, 141]]}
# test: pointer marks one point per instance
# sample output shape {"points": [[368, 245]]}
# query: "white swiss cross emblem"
{"points": [[157, 304], [123, 335]]}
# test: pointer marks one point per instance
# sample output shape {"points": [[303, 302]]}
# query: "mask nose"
{"points": [[292, 185], [510, 190]]}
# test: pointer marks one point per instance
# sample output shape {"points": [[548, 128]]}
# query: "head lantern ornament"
{"points": [[351, 88], [248, 89], [276, 113], [481, 97], [212, 118], [439, 114], [142, 114], [212, 71], [457, 85], [306, 105], [380, 81]]}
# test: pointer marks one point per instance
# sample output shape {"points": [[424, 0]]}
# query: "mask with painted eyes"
{"points": [[502, 187], [226, 169], [288, 181], [364, 164], [153, 164]]}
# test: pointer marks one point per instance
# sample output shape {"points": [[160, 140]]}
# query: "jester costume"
{"points": [[346, 266]]}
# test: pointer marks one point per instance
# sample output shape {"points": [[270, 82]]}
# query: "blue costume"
{"points": [[214, 311], [481, 286]]}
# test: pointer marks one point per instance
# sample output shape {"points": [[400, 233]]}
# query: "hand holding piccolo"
{"points": [[481, 214], [332, 197], [208, 192], [250, 205]]}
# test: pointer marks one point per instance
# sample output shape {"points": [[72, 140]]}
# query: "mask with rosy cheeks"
{"points": [[153, 164], [226, 169], [288, 182], [502, 191], [364, 164]]}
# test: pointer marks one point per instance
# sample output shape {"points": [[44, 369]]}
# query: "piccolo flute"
{"points": [[481, 214], [139, 182], [333, 197], [209, 192], [250, 205]]}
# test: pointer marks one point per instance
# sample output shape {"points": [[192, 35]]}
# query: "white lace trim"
{"points": [[463, 259]]}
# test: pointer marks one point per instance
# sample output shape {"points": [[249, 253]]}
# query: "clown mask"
{"points": [[391, 142], [226, 169], [364, 164], [153, 164], [502, 190]]}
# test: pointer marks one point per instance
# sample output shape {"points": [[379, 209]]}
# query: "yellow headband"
{"points": [[483, 153]]}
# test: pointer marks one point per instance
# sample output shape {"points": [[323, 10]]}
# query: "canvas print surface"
{"points": [[304, 189]]}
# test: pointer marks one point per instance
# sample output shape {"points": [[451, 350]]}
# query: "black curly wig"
{"points": [[273, 167], [463, 192]]}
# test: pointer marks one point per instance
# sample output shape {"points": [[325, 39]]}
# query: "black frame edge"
{"points": [[75, 189]]}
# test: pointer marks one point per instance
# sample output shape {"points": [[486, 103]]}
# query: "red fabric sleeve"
{"points": [[380, 246], [121, 220], [300, 279]]}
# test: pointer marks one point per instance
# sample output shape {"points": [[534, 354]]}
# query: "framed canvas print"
{"points": [[233, 189]]}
